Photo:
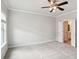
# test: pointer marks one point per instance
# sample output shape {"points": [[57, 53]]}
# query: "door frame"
{"points": [[61, 31]]}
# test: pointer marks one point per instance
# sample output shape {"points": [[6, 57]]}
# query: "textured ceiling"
{"points": [[35, 6]]}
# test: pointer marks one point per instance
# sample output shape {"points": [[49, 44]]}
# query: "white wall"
{"points": [[4, 12], [72, 16], [28, 29]]}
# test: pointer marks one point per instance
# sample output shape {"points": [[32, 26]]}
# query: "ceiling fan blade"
{"points": [[51, 10], [52, 1], [46, 7], [63, 3], [60, 8], [49, 0]]}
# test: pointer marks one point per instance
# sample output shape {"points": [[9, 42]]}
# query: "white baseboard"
{"points": [[27, 44]]}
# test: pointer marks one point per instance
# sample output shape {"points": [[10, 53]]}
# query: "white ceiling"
{"points": [[35, 6]]}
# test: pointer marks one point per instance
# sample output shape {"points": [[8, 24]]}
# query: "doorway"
{"points": [[67, 32]]}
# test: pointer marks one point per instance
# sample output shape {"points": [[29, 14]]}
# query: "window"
{"points": [[3, 30]]}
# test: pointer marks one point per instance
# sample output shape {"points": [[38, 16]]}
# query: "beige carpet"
{"points": [[51, 50]]}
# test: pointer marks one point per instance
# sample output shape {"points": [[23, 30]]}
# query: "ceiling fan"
{"points": [[53, 5]]}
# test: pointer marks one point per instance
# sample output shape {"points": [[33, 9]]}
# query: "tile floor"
{"points": [[51, 50]]}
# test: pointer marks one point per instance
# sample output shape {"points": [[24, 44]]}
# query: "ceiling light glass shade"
{"points": [[54, 7], [50, 8], [54, 11], [51, 2]]}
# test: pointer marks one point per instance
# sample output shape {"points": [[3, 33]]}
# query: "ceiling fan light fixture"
{"points": [[50, 8], [51, 2], [54, 11], [54, 7]]}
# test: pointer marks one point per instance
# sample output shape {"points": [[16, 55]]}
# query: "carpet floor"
{"points": [[51, 50]]}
